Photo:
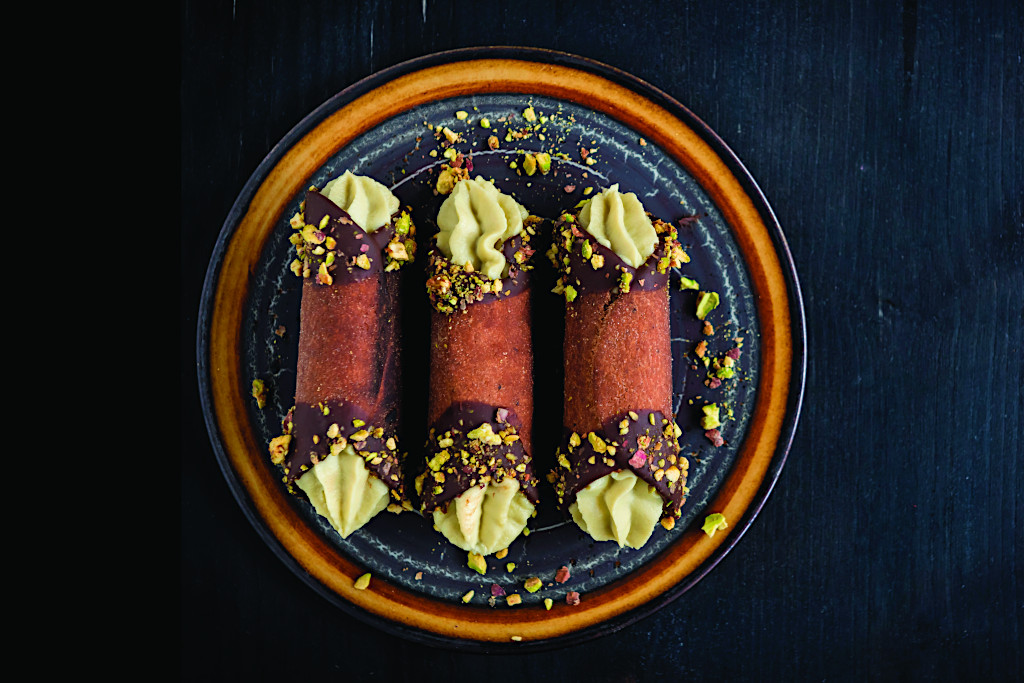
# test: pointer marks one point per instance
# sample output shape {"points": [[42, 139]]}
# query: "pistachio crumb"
{"points": [[714, 522], [363, 582]]}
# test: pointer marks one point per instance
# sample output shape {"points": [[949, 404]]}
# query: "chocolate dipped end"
{"points": [[452, 287], [586, 265], [332, 247], [644, 442], [473, 444]]}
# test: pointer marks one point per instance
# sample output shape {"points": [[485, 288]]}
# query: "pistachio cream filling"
{"points": [[485, 519], [344, 491], [369, 203], [619, 222], [618, 507], [475, 220]]}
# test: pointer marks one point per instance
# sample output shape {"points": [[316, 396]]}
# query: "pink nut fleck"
{"points": [[497, 591], [562, 575], [638, 459], [502, 415], [572, 598], [364, 248]]}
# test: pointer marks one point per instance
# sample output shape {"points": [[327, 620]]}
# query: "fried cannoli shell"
{"points": [[618, 369], [347, 377], [481, 371]]}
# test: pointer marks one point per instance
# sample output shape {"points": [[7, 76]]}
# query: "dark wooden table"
{"points": [[889, 138]]}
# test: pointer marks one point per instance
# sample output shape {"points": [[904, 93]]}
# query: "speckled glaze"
{"points": [[377, 128]]}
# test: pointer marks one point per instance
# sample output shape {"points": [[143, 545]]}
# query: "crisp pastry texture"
{"points": [[618, 507], [619, 222], [475, 221], [485, 519], [368, 202], [344, 492]]}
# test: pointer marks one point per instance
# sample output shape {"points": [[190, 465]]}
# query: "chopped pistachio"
{"points": [[687, 284], [510, 567], [548, 603], [529, 164], [485, 123], [259, 392], [543, 162], [533, 584], [363, 582], [706, 302], [514, 600], [468, 596], [711, 418], [477, 563], [461, 115], [529, 114], [714, 522], [570, 293]]}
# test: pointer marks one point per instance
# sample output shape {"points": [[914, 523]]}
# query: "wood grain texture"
{"points": [[888, 138]]}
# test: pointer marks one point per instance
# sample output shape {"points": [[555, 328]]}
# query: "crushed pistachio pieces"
{"points": [[706, 302], [714, 522], [712, 417], [468, 596], [363, 582], [259, 392], [477, 563], [279, 448]]}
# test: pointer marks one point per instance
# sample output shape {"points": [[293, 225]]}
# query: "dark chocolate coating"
{"points": [[497, 462], [661, 452], [350, 239]]}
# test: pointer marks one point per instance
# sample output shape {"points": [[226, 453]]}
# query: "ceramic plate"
{"points": [[390, 126]]}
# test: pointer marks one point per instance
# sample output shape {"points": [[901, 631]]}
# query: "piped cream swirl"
{"points": [[344, 491], [618, 507], [475, 220], [369, 203], [618, 221], [485, 519]]}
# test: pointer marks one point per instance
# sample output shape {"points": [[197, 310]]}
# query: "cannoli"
{"points": [[478, 483], [618, 469], [339, 445]]}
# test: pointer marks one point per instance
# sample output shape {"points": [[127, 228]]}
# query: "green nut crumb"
{"points": [[468, 596], [543, 162], [529, 164], [687, 283], [259, 392], [461, 115], [711, 418], [533, 584], [706, 302], [714, 522], [570, 293], [510, 566], [529, 114], [548, 603], [477, 563], [485, 123], [363, 582]]}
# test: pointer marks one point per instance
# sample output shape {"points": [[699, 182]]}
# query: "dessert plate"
{"points": [[396, 126]]}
